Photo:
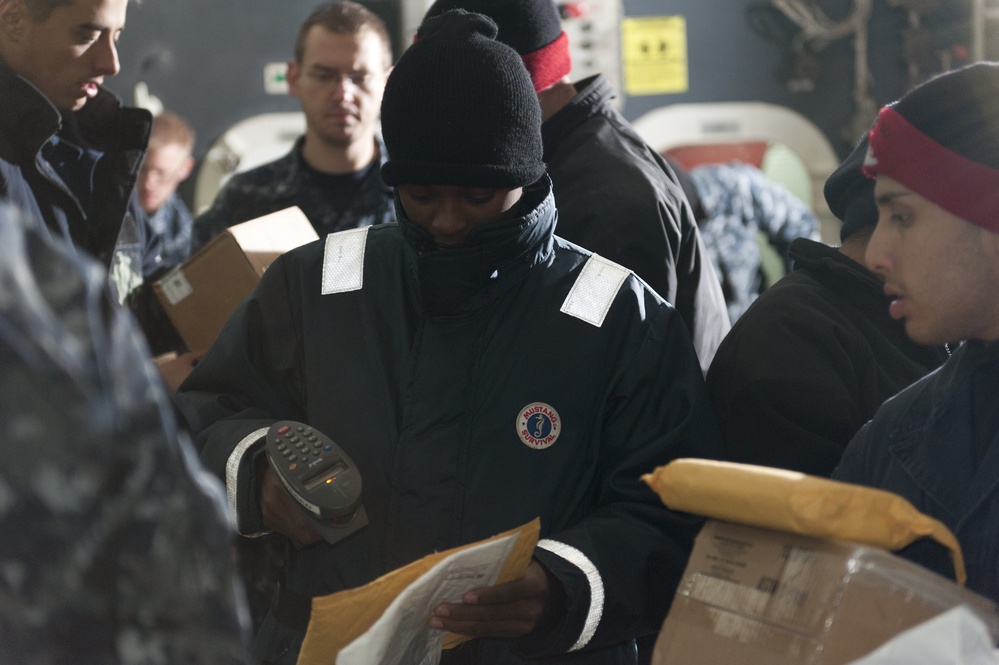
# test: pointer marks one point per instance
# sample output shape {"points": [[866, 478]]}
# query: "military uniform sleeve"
{"points": [[121, 552], [620, 565]]}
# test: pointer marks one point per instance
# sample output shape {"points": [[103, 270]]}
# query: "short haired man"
{"points": [[69, 151], [342, 56], [816, 354], [168, 163], [479, 370], [616, 196], [935, 154]]}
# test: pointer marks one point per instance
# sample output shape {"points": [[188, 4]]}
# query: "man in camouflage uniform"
{"points": [[342, 56], [167, 164], [115, 539]]}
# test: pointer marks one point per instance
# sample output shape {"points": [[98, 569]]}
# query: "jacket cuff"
{"points": [[241, 485], [584, 601], [593, 578]]}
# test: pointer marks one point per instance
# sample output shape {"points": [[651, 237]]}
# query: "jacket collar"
{"points": [[495, 257], [27, 118], [807, 253], [30, 118], [592, 94]]}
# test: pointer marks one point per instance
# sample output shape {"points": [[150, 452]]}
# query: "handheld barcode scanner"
{"points": [[320, 476]]}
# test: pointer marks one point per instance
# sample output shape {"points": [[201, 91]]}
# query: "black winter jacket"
{"points": [[618, 198], [423, 364], [810, 362], [937, 444]]}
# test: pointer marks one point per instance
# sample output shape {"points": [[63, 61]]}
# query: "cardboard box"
{"points": [[756, 596], [200, 295]]}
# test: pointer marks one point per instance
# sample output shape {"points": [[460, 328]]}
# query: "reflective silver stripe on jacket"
{"points": [[232, 472], [595, 289], [581, 561], [343, 261]]}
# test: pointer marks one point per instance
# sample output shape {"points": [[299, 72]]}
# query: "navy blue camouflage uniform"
{"points": [[115, 547], [289, 181], [173, 223], [741, 203]]}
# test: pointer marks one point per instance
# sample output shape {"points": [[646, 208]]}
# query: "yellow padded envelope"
{"points": [[340, 618], [798, 503]]}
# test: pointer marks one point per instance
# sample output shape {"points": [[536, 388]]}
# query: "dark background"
{"points": [[204, 59]]}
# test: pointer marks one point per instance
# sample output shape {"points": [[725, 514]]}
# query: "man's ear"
{"points": [[292, 76], [186, 168]]}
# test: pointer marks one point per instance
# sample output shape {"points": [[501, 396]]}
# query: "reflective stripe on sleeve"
{"points": [[581, 561], [232, 471]]}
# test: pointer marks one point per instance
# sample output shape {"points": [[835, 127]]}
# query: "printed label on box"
{"points": [[176, 287]]}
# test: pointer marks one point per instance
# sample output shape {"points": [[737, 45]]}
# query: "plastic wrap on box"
{"points": [[758, 596], [956, 637]]}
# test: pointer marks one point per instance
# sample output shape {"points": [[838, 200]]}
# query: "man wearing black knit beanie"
{"points": [[817, 353], [616, 196], [935, 157], [479, 370]]}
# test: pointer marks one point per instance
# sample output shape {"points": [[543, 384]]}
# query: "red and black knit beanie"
{"points": [[459, 110], [530, 27], [941, 140]]}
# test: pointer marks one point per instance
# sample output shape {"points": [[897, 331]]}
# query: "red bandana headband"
{"points": [[957, 184], [549, 63]]}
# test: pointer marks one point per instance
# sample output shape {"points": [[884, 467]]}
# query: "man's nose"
{"points": [[449, 224], [877, 256], [107, 57], [342, 87]]}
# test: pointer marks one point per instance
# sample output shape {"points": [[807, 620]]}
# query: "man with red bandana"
{"points": [[69, 151], [935, 156], [616, 196]]}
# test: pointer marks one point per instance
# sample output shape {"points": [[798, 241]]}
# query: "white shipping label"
{"points": [[176, 287]]}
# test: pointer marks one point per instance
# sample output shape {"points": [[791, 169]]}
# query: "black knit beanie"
{"points": [[850, 194], [532, 28], [941, 140], [459, 109]]}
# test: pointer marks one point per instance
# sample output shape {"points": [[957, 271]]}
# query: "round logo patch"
{"points": [[538, 425]]}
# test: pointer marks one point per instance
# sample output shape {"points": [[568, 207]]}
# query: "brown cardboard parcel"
{"points": [[200, 295], [756, 596]]}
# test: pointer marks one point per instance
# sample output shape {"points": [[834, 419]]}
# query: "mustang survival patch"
{"points": [[538, 425]]}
